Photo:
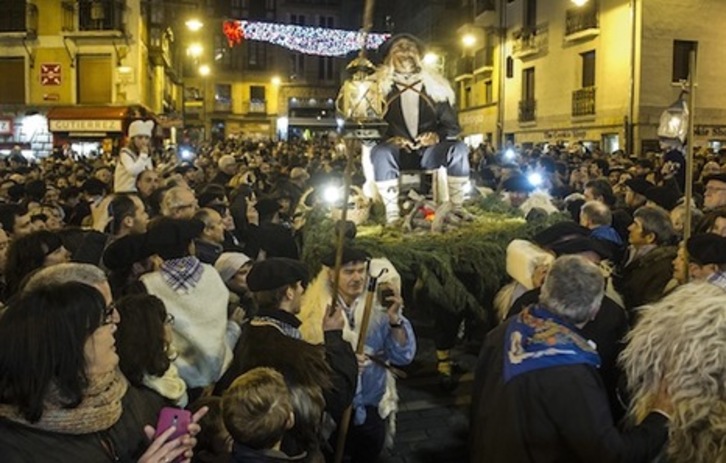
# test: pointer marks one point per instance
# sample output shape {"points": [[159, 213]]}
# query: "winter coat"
{"points": [[125, 439], [552, 414], [643, 280]]}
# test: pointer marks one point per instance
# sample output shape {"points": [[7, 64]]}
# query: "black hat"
{"points": [[518, 183], [350, 254], [707, 248], [559, 232], [664, 196], [386, 47], [639, 185], [581, 244], [184, 167], [170, 238], [267, 207], [276, 272], [126, 251], [718, 177]]}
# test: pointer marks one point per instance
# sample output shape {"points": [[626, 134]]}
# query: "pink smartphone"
{"points": [[177, 417]]}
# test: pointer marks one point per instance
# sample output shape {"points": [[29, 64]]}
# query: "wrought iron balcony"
{"points": [[19, 17], [482, 6], [484, 59], [93, 15], [582, 22], [464, 66], [258, 107], [583, 102], [528, 42], [527, 110]]}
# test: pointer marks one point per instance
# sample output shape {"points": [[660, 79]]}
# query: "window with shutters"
{"points": [[12, 81], [94, 79]]}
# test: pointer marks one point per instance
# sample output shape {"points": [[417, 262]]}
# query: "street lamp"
{"points": [[204, 70], [194, 25], [468, 40], [276, 80], [195, 50], [580, 2], [431, 58]]}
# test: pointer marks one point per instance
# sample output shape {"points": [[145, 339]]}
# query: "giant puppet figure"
{"points": [[422, 124]]}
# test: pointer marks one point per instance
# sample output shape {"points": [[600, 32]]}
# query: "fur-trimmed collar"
{"points": [[436, 86]]}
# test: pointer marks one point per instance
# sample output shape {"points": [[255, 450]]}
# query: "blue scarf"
{"points": [[537, 339]]}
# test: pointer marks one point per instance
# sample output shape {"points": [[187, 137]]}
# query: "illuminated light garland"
{"points": [[304, 39]]}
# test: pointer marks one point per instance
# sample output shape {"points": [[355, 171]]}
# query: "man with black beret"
{"points": [[635, 189], [705, 254], [322, 377], [422, 124], [389, 339], [518, 187], [714, 192], [194, 293]]}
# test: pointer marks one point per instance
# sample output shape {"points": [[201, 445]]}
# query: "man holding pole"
{"points": [[389, 339], [321, 377]]}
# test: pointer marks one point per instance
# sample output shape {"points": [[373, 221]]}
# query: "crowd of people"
{"points": [[179, 284], [152, 280]]}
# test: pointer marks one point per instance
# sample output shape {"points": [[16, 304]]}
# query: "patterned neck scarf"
{"points": [[182, 274], [286, 323], [537, 339]]}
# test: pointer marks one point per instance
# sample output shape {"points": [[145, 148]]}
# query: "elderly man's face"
{"points": [[715, 194], [404, 56]]}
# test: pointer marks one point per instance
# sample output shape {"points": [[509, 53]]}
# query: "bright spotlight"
{"points": [[535, 179], [195, 50], [276, 80], [332, 194], [194, 25], [510, 155], [430, 58], [204, 70], [580, 2], [468, 40]]}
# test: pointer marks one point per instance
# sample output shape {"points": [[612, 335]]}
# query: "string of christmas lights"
{"points": [[304, 39]]}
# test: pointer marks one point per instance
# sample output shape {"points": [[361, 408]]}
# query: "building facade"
{"points": [[601, 73], [76, 72], [262, 90]]}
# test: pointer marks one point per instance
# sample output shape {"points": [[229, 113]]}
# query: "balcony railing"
{"points": [[481, 6], [527, 110], [257, 107], [529, 42], [484, 59], [223, 106], [19, 16], [464, 66], [93, 15], [583, 102], [579, 20]]}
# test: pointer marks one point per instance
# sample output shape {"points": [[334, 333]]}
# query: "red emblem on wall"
{"points": [[50, 74]]}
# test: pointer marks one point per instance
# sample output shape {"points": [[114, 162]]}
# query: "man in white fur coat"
{"points": [[422, 124], [390, 339]]}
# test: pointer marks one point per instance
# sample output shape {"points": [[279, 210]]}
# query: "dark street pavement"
{"points": [[432, 425]]}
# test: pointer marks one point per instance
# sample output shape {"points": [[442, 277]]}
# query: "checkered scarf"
{"points": [[182, 274]]}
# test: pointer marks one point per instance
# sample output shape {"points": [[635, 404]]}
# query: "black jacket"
{"points": [[555, 414], [643, 280], [438, 117], [125, 439], [323, 376], [242, 454]]}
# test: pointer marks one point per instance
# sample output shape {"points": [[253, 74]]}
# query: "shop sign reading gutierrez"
{"points": [[83, 125]]}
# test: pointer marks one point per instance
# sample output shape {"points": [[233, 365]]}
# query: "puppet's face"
{"points": [[404, 56]]}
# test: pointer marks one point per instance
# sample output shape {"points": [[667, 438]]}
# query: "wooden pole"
{"points": [[691, 142], [350, 144]]}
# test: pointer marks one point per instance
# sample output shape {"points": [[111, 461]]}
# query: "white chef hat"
{"points": [[140, 128]]}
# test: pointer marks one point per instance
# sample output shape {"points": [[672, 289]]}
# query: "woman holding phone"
{"points": [[62, 396]]}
